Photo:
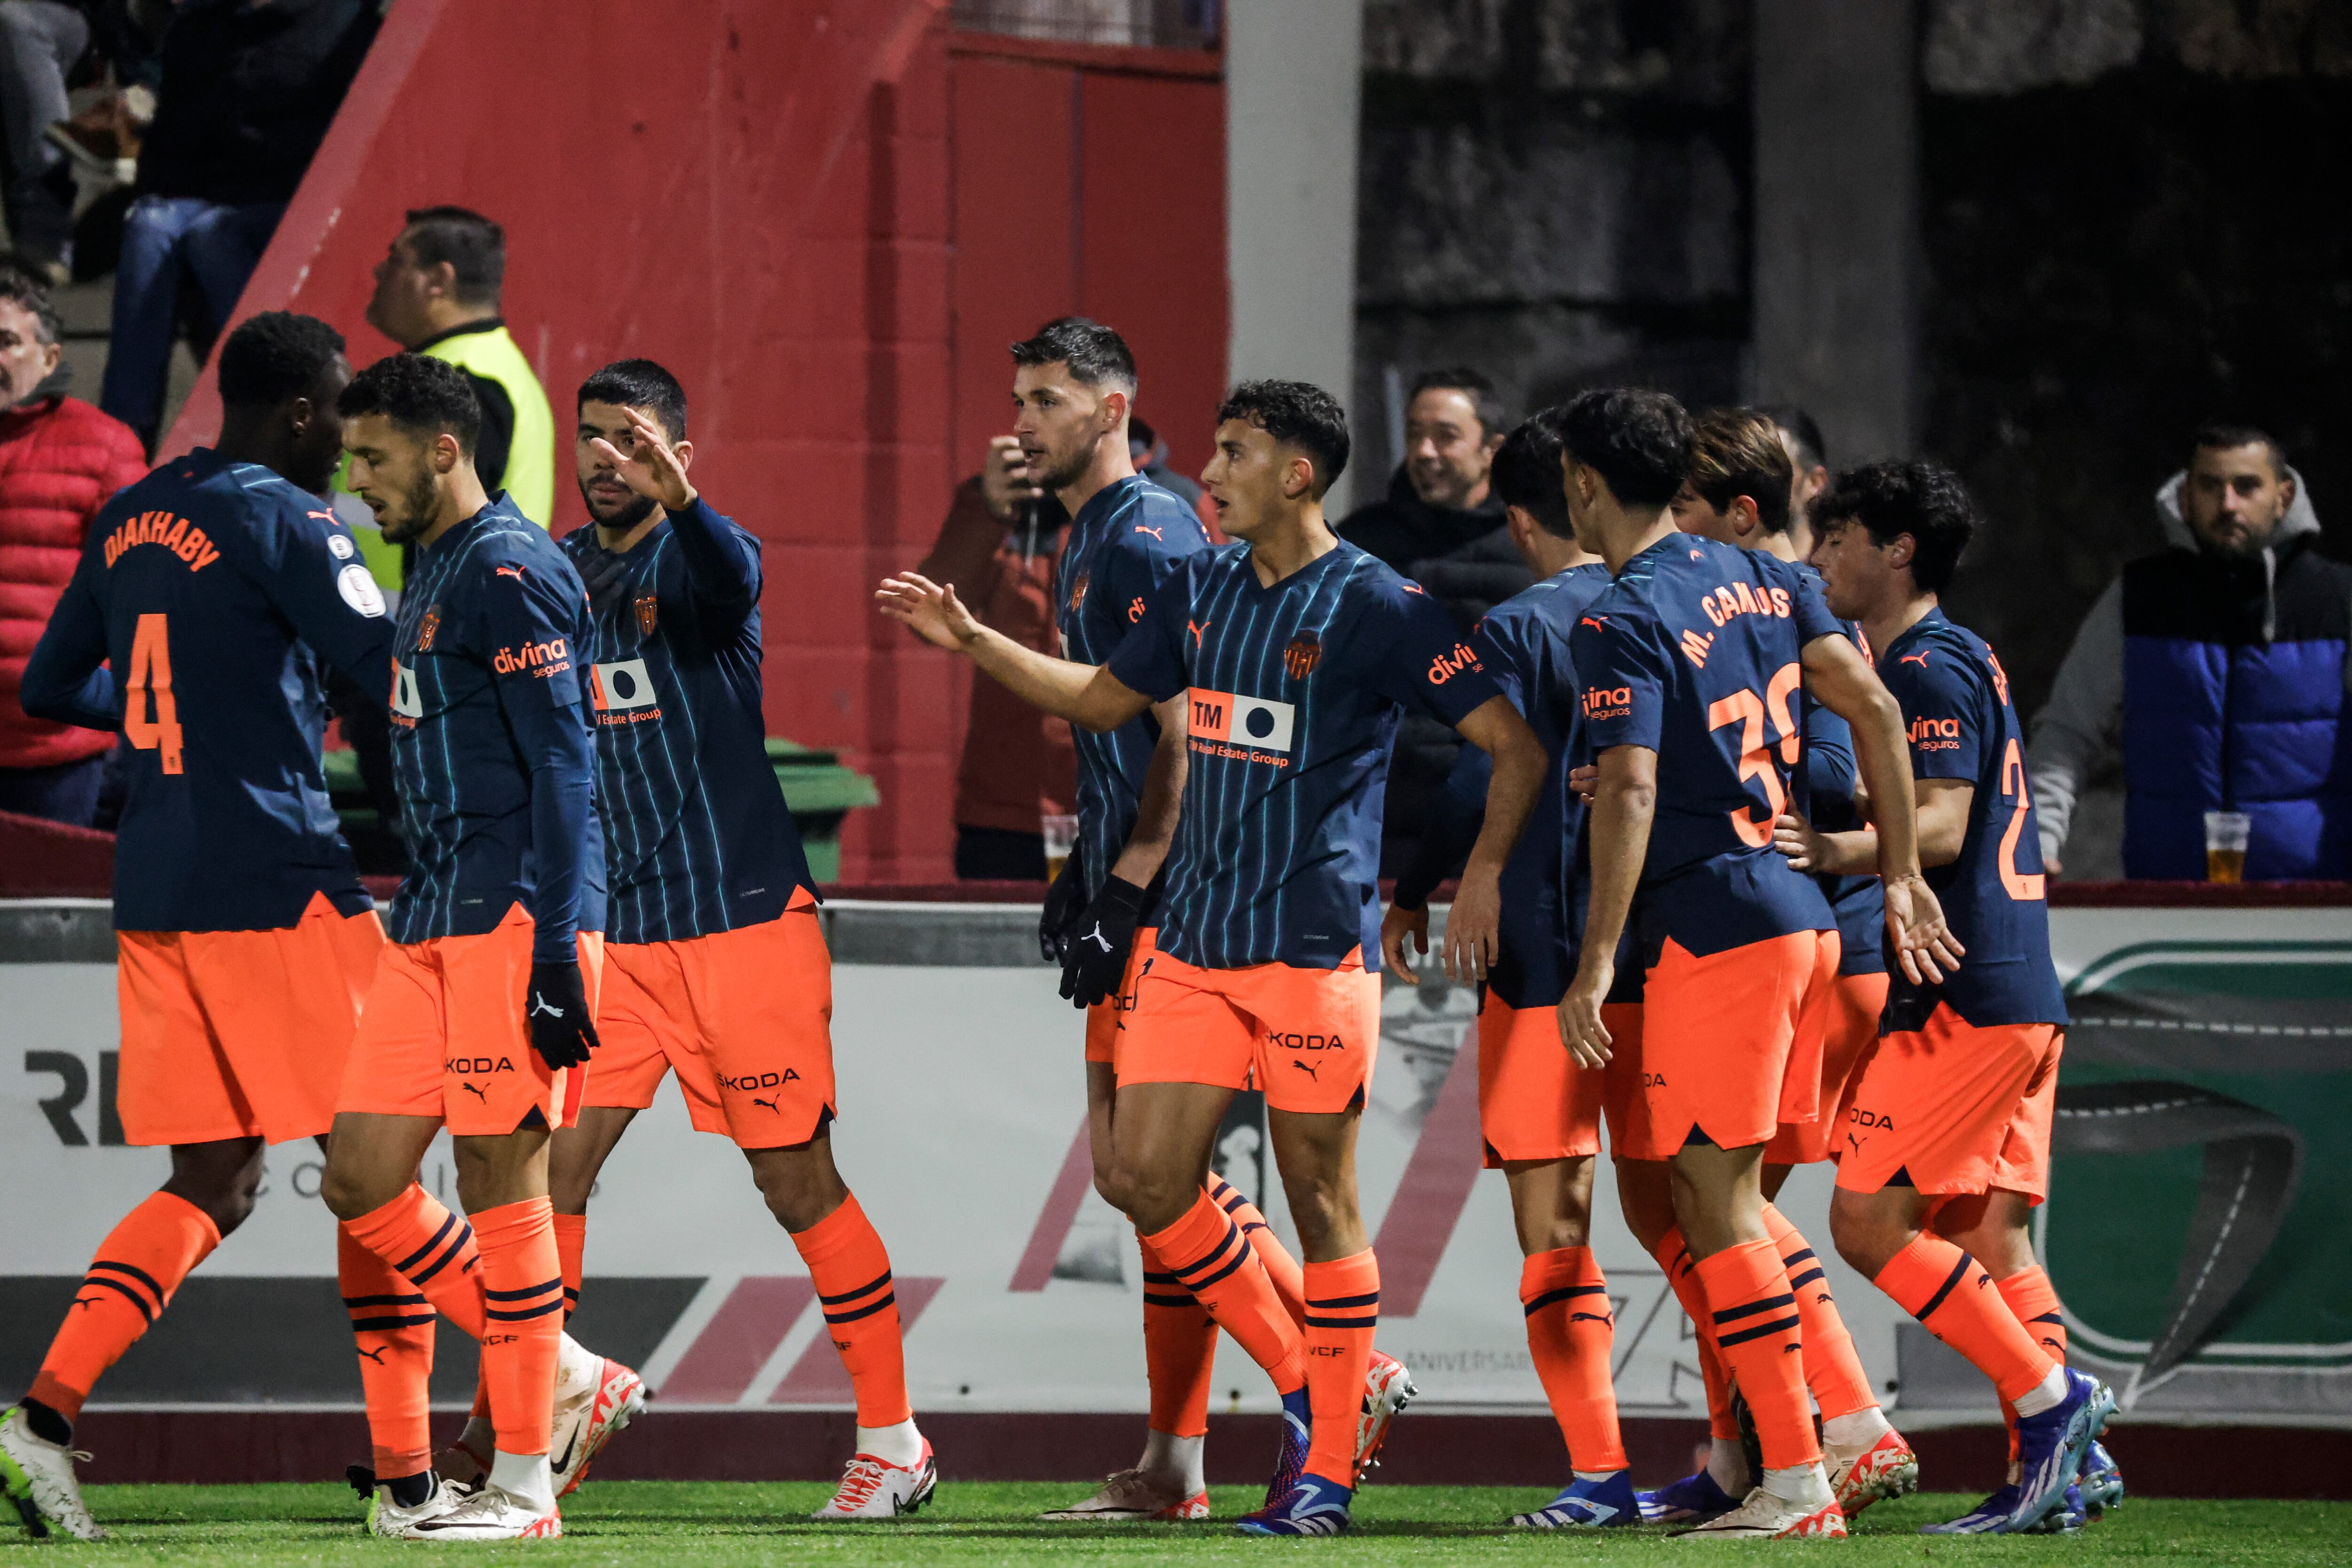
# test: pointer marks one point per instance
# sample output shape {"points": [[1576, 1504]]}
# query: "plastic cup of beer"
{"points": [[2226, 833], [1061, 832]]}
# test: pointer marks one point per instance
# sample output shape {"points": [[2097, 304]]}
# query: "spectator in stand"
{"points": [[246, 92], [2218, 669], [1809, 456], [1441, 526], [60, 460], [1150, 457], [40, 42], [998, 550]]}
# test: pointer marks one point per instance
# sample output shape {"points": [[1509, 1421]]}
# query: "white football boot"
{"points": [[594, 1398], [1388, 1389], [1129, 1496], [37, 1476], [1766, 1516], [388, 1518], [492, 1513], [874, 1489]]}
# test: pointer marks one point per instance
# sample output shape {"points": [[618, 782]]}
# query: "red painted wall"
{"points": [[827, 218]]}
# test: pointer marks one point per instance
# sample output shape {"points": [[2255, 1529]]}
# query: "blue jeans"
{"points": [[218, 245]]}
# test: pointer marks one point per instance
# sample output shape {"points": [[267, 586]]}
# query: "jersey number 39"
{"points": [[151, 682], [1746, 710]]}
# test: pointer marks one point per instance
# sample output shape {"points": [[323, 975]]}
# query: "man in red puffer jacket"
{"points": [[60, 460]]}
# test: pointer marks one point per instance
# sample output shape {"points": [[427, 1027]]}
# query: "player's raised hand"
{"points": [[556, 1011], [1924, 945], [1794, 838], [1395, 927], [1473, 927], [1580, 1029], [929, 610], [651, 467]]}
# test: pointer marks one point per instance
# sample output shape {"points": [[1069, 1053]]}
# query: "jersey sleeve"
{"points": [[722, 563], [1151, 657], [1622, 673], [530, 619], [1941, 715], [1811, 610], [1143, 560], [1501, 648], [65, 680], [1829, 755], [1415, 655], [308, 565]]}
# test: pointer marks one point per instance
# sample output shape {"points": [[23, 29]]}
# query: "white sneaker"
{"points": [[594, 1398], [388, 1518], [874, 1489], [37, 1476], [1766, 1516], [492, 1513], [1388, 1389], [1131, 1495], [1858, 1478]]}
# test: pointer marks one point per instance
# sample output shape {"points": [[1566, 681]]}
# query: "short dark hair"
{"points": [[1924, 500], [473, 246], [421, 394], [1738, 452], [1526, 473], [2222, 434], [23, 288], [1096, 356], [1296, 415], [1639, 442], [274, 357], [1812, 452], [639, 383], [1472, 384]]}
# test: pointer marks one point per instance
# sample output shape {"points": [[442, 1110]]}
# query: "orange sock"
{"points": [[131, 1280], [1673, 1257], [1343, 1309], [431, 1249], [1833, 1371], [571, 1245], [2034, 1302], [522, 1299], [1950, 1294], [1205, 1251], [852, 1271], [392, 1324], [1179, 1351], [1570, 1335], [1759, 1333], [1282, 1268]]}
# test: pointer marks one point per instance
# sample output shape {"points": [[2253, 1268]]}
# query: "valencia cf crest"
{"points": [[1079, 592], [426, 629], [1305, 652], [648, 614]]}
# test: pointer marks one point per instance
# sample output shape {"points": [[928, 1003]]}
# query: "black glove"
{"points": [[1096, 960], [1065, 900], [557, 1012]]}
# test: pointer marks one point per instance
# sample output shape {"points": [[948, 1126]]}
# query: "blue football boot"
{"points": [[2051, 1448], [1693, 1500], [1605, 1504], [1297, 1431], [2103, 1483], [1313, 1507]]}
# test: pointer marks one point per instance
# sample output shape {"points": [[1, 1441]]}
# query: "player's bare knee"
{"points": [[1864, 1234], [224, 1179], [349, 1192], [799, 1185]]}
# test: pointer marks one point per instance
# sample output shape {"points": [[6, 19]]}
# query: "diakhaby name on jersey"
{"points": [[176, 534]]}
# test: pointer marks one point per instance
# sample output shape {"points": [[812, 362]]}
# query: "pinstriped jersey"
{"points": [[698, 836], [1125, 544], [1295, 693], [491, 747]]}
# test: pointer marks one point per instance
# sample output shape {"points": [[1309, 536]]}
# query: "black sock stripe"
{"points": [[1371, 1320], [449, 1223], [1951, 1283], [1251, 1226], [136, 1273], [1761, 1304], [1726, 1340], [525, 1294], [1152, 1278], [1797, 1282], [1802, 1255], [383, 1301], [866, 1289], [1151, 1301], [458, 1245], [146, 1310], [2051, 1318], [866, 1311], [527, 1313], [1682, 1261], [1371, 1300], [1228, 1243], [379, 1325], [1565, 1293]]}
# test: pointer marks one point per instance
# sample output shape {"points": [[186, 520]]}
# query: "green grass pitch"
{"points": [[660, 1522]]}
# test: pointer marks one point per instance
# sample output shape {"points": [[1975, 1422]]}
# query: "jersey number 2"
{"points": [[1747, 709], [2012, 782], [151, 680]]}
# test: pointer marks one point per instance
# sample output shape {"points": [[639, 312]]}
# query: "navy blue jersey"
{"points": [[1858, 902], [697, 838], [1296, 694], [1125, 544], [1523, 643], [1956, 706], [1694, 652], [492, 747], [207, 587]]}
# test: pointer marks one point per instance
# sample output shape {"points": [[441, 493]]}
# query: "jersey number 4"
{"points": [[151, 682], [1747, 709]]}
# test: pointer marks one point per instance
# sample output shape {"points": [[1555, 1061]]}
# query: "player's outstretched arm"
{"points": [[1624, 801], [65, 680], [1924, 946], [1085, 694], [1473, 927]]}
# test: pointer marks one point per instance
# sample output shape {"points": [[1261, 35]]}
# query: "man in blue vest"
{"points": [[2218, 669]]}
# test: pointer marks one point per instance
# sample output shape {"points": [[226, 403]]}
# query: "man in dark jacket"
{"points": [[2218, 669], [1441, 525]]}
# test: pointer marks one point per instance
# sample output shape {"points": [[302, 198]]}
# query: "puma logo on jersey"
{"points": [[1196, 629], [513, 572], [1918, 658], [1141, 527], [1598, 622]]}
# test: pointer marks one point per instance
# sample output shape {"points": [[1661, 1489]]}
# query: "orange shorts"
{"points": [[1307, 1036], [1105, 1018], [1731, 1043], [744, 1016], [1534, 1101], [1623, 1107], [1852, 1028], [1955, 1108], [240, 1034], [443, 1034]]}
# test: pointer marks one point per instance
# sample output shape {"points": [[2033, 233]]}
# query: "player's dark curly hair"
{"points": [[274, 357], [422, 396], [639, 383], [1296, 415], [1096, 356], [1925, 500], [1527, 474], [1639, 442]]}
